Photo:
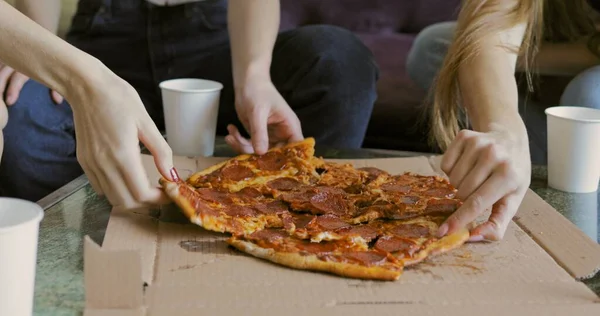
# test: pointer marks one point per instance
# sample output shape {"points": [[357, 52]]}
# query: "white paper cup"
{"points": [[573, 148], [191, 107], [19, 227]]}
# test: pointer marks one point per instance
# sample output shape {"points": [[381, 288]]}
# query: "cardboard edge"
{"points": [[581, 262], [112, 279]]}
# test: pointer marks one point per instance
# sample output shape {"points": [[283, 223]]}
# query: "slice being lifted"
{"points": [[299, 211]]}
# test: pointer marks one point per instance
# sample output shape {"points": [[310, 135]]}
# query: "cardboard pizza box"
{"points": [[153, 262]]}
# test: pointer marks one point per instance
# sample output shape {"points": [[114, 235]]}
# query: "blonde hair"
{"points": [[564, 21]]}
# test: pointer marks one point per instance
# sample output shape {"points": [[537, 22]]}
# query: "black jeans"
{"points": [[325, 74]]}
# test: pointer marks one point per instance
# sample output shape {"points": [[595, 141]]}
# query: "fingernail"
{"points": [[174, 175], [443, 230], [476, 238]]}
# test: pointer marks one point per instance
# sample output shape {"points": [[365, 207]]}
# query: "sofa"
{"points": [[388, 28]]}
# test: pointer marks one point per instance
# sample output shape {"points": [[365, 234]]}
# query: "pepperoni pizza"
{"points": [[292, 208]]}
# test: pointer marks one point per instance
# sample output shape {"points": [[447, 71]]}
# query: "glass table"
{"points": [[75, 211]]}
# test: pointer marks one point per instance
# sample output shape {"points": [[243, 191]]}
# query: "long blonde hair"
{"points": [[556, 20]]}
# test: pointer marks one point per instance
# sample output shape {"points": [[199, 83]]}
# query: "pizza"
{"points": [[297, 210]]}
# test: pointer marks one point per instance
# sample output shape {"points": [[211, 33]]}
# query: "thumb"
{"points": [[258, 131], [158, 147]]}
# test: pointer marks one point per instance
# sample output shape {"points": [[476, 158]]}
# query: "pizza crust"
{"points": [[172, 190], [311, 262], [444, 244]]}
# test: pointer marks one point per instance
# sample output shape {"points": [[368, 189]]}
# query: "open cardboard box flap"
{"points": [[153, 262]]}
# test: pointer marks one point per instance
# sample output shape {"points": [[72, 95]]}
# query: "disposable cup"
{"points": [[19, 226], [191, 107], [573, 148]]}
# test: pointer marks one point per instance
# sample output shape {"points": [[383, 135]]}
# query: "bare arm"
{"points": [[487, 81], [110, 119], [45, 12], [253, 28], [489, 165], [39, 54]]}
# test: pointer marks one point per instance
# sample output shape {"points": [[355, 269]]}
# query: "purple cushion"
{"points": [[388, 28]]}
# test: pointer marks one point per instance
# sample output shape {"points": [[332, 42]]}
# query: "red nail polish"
{"points": [[174, 175]]}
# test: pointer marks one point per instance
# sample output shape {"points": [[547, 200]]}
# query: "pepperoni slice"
{"points": [[396, 244], [442, 205], [409, 199], [410, 231], [441, 192], [269, 235], [367, 232], [284, 184], [396, 188], [239, 211], [237, 172], [302, 220], [328, 202], [373, 172], [298, 198], [249, 192], [272, 161], [317, 247], [367, 258], [212, 195], [328, 222], [273, 207]]}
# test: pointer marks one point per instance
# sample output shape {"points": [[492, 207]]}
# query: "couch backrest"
{"points": [[369, 16]]}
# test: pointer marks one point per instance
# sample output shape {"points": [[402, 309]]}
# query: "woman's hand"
{"points": [[266, 116], [110, 121], [490, 170]]}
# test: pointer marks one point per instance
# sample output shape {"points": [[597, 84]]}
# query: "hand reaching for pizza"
{"points": [[490, 170], [109, 127], [266, 116], [11, 83]]}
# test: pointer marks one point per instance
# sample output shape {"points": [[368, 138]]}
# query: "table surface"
{"points": [[76, 211]]}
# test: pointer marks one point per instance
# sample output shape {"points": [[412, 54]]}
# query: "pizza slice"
{"points": [[341, 257], [293, 160], [238, 213], [412, 241]]}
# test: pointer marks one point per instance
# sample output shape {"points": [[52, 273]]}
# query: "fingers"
{"points": [[497, 186], [295, 125], [56, 97], [3, 119], [5, 73], [502, 213], [16, 82], [258, 130], [149, 135], [465, 164], [454, 151], [237, 141], [132, 171], [478, 174]]}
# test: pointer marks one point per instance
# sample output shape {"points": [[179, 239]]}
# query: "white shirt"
{"points": [[170, 2]]}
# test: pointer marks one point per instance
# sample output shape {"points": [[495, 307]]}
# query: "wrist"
{"points": [[85, 75], [251, 73]]}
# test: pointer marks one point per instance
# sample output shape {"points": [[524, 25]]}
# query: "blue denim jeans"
{"points": [[325, 73], [426, 58]]}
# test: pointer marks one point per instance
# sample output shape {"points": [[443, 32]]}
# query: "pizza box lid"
{"points": [[153, 262]]}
